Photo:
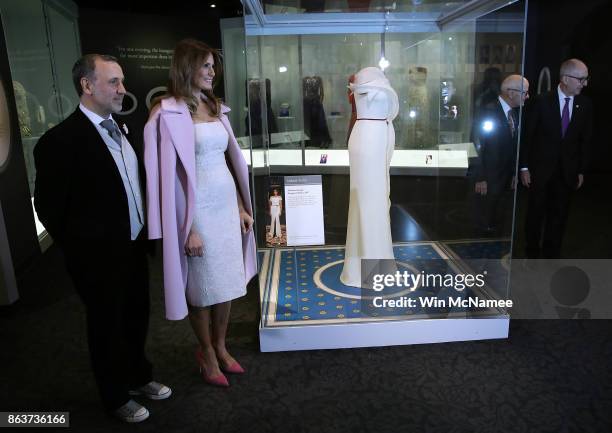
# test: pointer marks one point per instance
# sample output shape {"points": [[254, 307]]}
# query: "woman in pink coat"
{"points": [[199, 203]]}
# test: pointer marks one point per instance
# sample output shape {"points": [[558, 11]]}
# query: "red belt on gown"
{"points": [[365, 118]]}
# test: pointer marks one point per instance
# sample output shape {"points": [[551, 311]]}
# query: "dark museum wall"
{"points": [[143, 43], [560, 29]]}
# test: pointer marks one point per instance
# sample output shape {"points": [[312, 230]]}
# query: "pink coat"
{"points": [[169, 158]]}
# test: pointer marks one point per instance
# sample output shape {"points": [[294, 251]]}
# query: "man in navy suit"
{"points": [[88, 195], [496, 136], [554, 157]]}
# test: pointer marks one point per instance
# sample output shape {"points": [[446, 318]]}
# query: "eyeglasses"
{"points": [[522, 92], [581, 79]]}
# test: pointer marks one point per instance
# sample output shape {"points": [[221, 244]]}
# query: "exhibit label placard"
{"points": [[304, 210]]}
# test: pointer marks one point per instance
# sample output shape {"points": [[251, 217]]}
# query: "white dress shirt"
{"points": [[127, 164], [505, 106], [507, 111]]}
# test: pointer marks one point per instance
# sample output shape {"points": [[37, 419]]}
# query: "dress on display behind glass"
{"points": [[315, 122], [368, 234], [418, 132], [254, 120], [217, 276]]}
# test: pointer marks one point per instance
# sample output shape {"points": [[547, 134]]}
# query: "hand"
{"points": [[580, 181], [513, 183], [525, 178], [246, 222], [481, 187], [194, 245]]}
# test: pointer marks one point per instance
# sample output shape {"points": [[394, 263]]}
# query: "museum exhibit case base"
{"points": [[306, 307]]}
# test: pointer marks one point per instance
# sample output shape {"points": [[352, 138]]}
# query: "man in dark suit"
{"points": [[496, 137], [554, 157], [88, 196]]}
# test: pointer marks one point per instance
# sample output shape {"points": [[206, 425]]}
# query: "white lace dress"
{"points": [[217, 276]]}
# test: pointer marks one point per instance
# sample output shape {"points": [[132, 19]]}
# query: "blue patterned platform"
{"points": [[480, 248], [303, 286], [485, 255]]}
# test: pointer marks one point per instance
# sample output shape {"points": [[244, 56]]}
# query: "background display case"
{"points": [[42, 41], [292, 112]]}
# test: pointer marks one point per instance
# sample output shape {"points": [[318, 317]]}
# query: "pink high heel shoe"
{"points": [[218, 380], [233, 368]]}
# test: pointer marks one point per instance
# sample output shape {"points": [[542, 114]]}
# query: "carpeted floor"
{"points": [[549, 376]]}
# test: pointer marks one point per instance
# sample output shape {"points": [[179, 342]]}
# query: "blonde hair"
{"points": [[189, 55]]}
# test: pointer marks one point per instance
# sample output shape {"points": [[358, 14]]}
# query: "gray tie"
{"points": [[511, 122], [112, 129]]}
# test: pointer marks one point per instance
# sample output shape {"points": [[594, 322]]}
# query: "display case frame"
{"points": [[440, 162]]}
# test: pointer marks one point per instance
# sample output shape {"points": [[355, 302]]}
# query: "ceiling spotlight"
{"points": [[282, 69], [212, 5]]}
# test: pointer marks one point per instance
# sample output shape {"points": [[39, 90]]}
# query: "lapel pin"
{"points": [[124, 126]]}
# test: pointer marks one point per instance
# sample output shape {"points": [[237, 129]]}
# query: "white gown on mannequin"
{"points": [[368, 234]]}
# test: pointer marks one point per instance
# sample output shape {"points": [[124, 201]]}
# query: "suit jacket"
{"points": [[79, 194], [497, 147], [544, 150], [169, 140]]}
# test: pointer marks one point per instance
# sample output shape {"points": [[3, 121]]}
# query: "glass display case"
{"points": [[331, 180], [42, 40]]}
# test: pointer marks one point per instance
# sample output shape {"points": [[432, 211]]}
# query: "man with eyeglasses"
{"points": [[553, 157], [496, 135]]}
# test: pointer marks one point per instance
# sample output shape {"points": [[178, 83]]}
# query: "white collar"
{"points": [[504, 105], [562, 95], [95, 118]]}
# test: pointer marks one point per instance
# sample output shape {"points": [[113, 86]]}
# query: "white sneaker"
{"points": [[153, 391], [132, 412]]}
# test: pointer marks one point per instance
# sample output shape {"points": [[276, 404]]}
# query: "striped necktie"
{"points": [[112, 129]]}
